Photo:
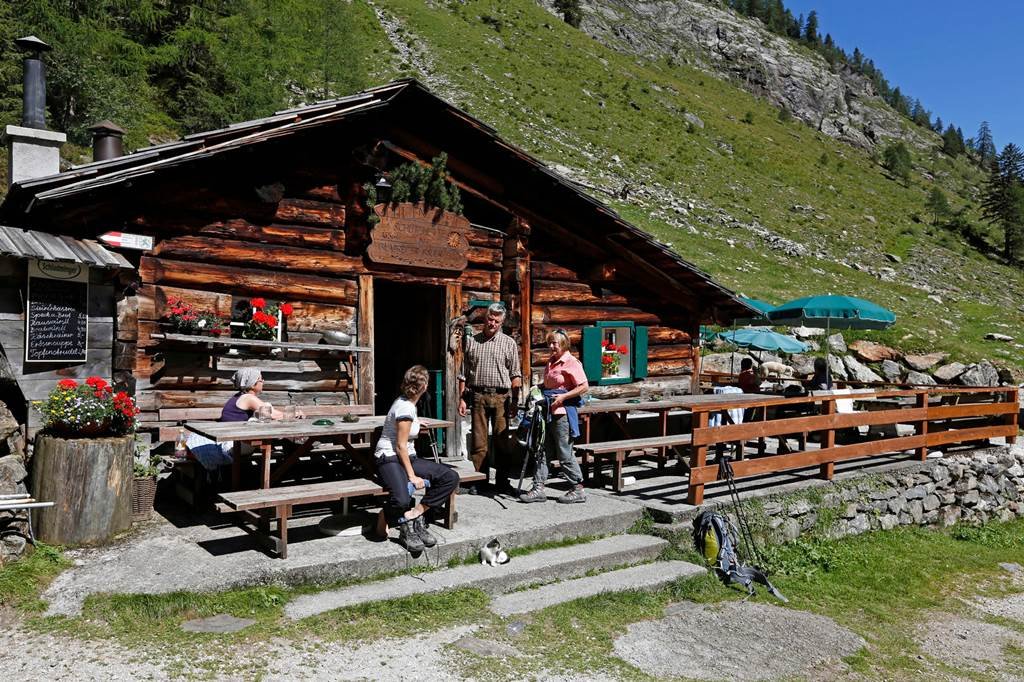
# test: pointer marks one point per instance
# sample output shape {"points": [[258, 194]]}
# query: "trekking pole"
{"points": [[528, 453], [726, 472]]}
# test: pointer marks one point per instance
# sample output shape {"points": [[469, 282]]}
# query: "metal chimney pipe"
{"points": [[34, 85], [106, 141]]}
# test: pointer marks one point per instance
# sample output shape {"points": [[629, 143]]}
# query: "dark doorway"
{"points": [[408, 329]]}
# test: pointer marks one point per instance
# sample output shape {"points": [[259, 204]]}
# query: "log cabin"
{"points": [[283, 209]]}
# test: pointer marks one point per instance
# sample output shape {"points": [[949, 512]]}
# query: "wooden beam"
{"points": [[366, 389], [452, 365]]}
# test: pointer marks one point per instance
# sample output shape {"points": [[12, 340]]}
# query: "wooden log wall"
{"points": [[36, 380], [300, 250], [565, 299]]}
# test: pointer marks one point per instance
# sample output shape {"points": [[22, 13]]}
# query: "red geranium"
{"points": [[286, 309], [604, 343], [67, 383], [259, 303], [623, 349]]}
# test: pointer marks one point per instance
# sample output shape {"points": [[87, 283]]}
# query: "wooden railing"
{"points": [[942, 416]]}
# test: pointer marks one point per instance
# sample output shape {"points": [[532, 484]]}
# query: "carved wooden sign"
{"points": [[414, 236]]}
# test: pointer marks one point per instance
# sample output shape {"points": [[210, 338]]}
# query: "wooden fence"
{"points": [[943, 416]]}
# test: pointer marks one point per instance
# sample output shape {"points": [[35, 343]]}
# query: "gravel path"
{"points": [[735, 640], [50, 657], [967, 644]]}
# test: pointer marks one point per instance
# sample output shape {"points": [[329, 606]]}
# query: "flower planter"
{"points": [[143, 495], [90, 480]]}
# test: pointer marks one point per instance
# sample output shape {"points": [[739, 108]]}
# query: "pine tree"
{"points": [[571, 11], [937, 126], [938, 205], [1003, 200], [811, 28], [984, 145], [896, 159], [795, 26], [951, 143], [858, 58], [920, 115]]}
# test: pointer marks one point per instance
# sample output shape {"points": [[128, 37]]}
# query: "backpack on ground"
{"points": [[715, 538]]}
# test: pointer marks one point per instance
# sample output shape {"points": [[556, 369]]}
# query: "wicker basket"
{"points": [[143, 494]]}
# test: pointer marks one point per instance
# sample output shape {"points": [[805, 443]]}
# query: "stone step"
{"points": [[541, 566], [648, 577]]}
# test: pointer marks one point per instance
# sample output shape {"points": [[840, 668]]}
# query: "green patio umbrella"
{"points": [[832, 312], [763, 339], [762, 306]]}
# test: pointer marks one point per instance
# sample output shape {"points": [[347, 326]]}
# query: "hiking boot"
{"points": [[419, 527], [409, 538], [574, 496], [536, 494]]}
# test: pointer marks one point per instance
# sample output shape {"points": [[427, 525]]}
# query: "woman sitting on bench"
{"points": [[241, 407], [400, 470]]}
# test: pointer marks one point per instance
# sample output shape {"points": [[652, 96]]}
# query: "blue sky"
{"points": [[961, 59]]}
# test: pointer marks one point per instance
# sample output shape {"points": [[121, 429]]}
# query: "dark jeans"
{"points": [[443, 480]]}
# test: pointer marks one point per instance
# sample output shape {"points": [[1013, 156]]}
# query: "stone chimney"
{"points": [[34, 150], [106, 141]]}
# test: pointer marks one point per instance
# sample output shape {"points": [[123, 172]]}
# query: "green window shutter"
{"points": [[639, 352], [591, 353]]}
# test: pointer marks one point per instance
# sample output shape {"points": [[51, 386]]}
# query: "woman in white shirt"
{"points": [[398, 467]]}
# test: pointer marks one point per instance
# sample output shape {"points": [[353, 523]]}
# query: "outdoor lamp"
{"points": [[383, 188]]}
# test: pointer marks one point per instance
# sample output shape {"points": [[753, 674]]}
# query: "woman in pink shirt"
{"points": [[564, 383]]}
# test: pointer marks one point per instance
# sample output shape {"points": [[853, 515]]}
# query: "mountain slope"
{"points": [[665, 109], [774, 209]]}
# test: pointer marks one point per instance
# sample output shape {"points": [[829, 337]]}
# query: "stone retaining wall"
{"points": [[974, 487], [13, 524]]}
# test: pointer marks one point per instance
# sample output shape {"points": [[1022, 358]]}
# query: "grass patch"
{"points": [[21, 582]]}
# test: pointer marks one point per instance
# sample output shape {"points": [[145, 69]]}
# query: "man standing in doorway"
{"points": [[492, 373]]}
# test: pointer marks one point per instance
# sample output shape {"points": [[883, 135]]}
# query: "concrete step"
{"points": [[537, 567], [647, 577]]}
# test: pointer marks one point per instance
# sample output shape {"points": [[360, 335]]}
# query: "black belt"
{"points": [[488, 389]]}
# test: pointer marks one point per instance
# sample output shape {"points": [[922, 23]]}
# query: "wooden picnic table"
{"points": [[262, 436]]}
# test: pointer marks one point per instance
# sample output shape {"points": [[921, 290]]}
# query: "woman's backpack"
{"points": [[715, 538]]}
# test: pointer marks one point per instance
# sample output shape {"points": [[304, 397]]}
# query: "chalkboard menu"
{"points": [[57, 312]]}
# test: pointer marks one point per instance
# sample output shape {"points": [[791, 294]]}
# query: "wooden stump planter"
{"points": [[90, 480]]}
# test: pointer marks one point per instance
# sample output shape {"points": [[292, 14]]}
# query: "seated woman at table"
{"points": [[244, 405], [564, 383], [400, 469], [240, 407]]}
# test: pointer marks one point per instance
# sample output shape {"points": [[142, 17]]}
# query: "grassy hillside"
{"points": [[615, 119]]}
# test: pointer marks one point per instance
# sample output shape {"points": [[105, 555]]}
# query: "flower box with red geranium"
{"points": [[88, 410], [186, 318], [266, 322], [611, 358]]}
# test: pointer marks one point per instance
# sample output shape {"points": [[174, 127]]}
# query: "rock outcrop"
{"points": [[840, 103]]}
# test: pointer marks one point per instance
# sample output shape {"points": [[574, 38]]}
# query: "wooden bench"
{"points": [[619, 450], [260, 507]]}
